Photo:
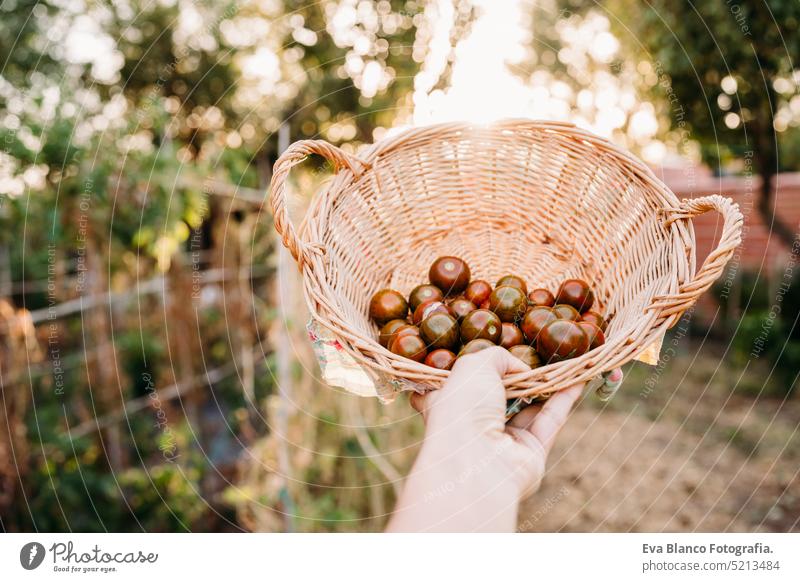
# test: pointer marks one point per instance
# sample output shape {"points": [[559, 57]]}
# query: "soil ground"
{"points": [[705, 450]]}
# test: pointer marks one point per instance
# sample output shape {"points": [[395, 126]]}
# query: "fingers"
{"points": [[533, 468], [495, 358], [537, 426], [476, 380], [417, 402], [546, 425], [614, 376], [508, 364], [472, 385], [474, 393], [524, 417]]}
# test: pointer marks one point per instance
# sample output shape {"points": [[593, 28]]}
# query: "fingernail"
{"points": [[611, 382]]}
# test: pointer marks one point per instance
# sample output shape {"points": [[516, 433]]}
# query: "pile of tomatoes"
{"points": [[452, 316]]}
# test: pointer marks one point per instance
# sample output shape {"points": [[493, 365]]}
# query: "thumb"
{"points": [[495, 360], [474, 388]]}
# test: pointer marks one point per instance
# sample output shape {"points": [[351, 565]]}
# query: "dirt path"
{"points": [[612, 471]]}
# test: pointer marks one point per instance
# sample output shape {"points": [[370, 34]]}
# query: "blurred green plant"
{"points": [[117, 120], [767, 329], [76, 491], [726, 77], [721, 76]]}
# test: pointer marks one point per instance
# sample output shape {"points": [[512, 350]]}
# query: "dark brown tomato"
{"points": [[439, 331], [484, 305], [428, 308], [526, 354], [387, 305], [536, 318], [564, 311], [513, 281], [387, 331], [596, 336], [541, 297], [461, 308], [510, 335], [595, 318], [450, 274], [409, 346], [561, 340], [509, 303], [423, 293], [478, 291], [475, 345], [404, 330], [442, 359], [577, 293], [481, 324]]}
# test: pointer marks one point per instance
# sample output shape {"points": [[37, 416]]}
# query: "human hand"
{"points": [[468, 413], [474, 468]]}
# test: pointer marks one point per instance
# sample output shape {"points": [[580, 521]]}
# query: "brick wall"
{"points": [[760, 250]]}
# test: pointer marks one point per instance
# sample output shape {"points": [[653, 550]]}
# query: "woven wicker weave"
{"points": [[547, 201]]}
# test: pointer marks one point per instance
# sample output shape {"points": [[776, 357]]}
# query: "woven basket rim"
{"points": [[384, 146], [624, 345]]}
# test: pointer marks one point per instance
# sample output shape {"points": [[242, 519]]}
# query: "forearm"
{"points": [[455, 491]]}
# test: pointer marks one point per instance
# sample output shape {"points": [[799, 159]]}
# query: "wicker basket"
{"points": [[544, 200]]}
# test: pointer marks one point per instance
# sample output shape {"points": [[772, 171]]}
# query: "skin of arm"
{"points": [[474, 469]]}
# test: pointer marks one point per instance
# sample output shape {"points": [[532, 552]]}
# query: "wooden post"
{"points": [[283, 357]]}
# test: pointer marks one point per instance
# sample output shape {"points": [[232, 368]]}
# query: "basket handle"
{"points": [[717, 259], [294, 154]]}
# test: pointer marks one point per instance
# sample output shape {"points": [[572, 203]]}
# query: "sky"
{"points": [[490, 81]]}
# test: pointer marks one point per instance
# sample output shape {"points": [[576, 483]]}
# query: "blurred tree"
{"points": [[729, 72], [723, 75], [576, 61], [360, 51], [114, 117]]}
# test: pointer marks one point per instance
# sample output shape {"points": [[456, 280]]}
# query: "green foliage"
{"points": [[722, 75], [105, 162], [720, 60], [330, 96], [26, 18], [165, 497], [75, 490], [768, 331]]}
